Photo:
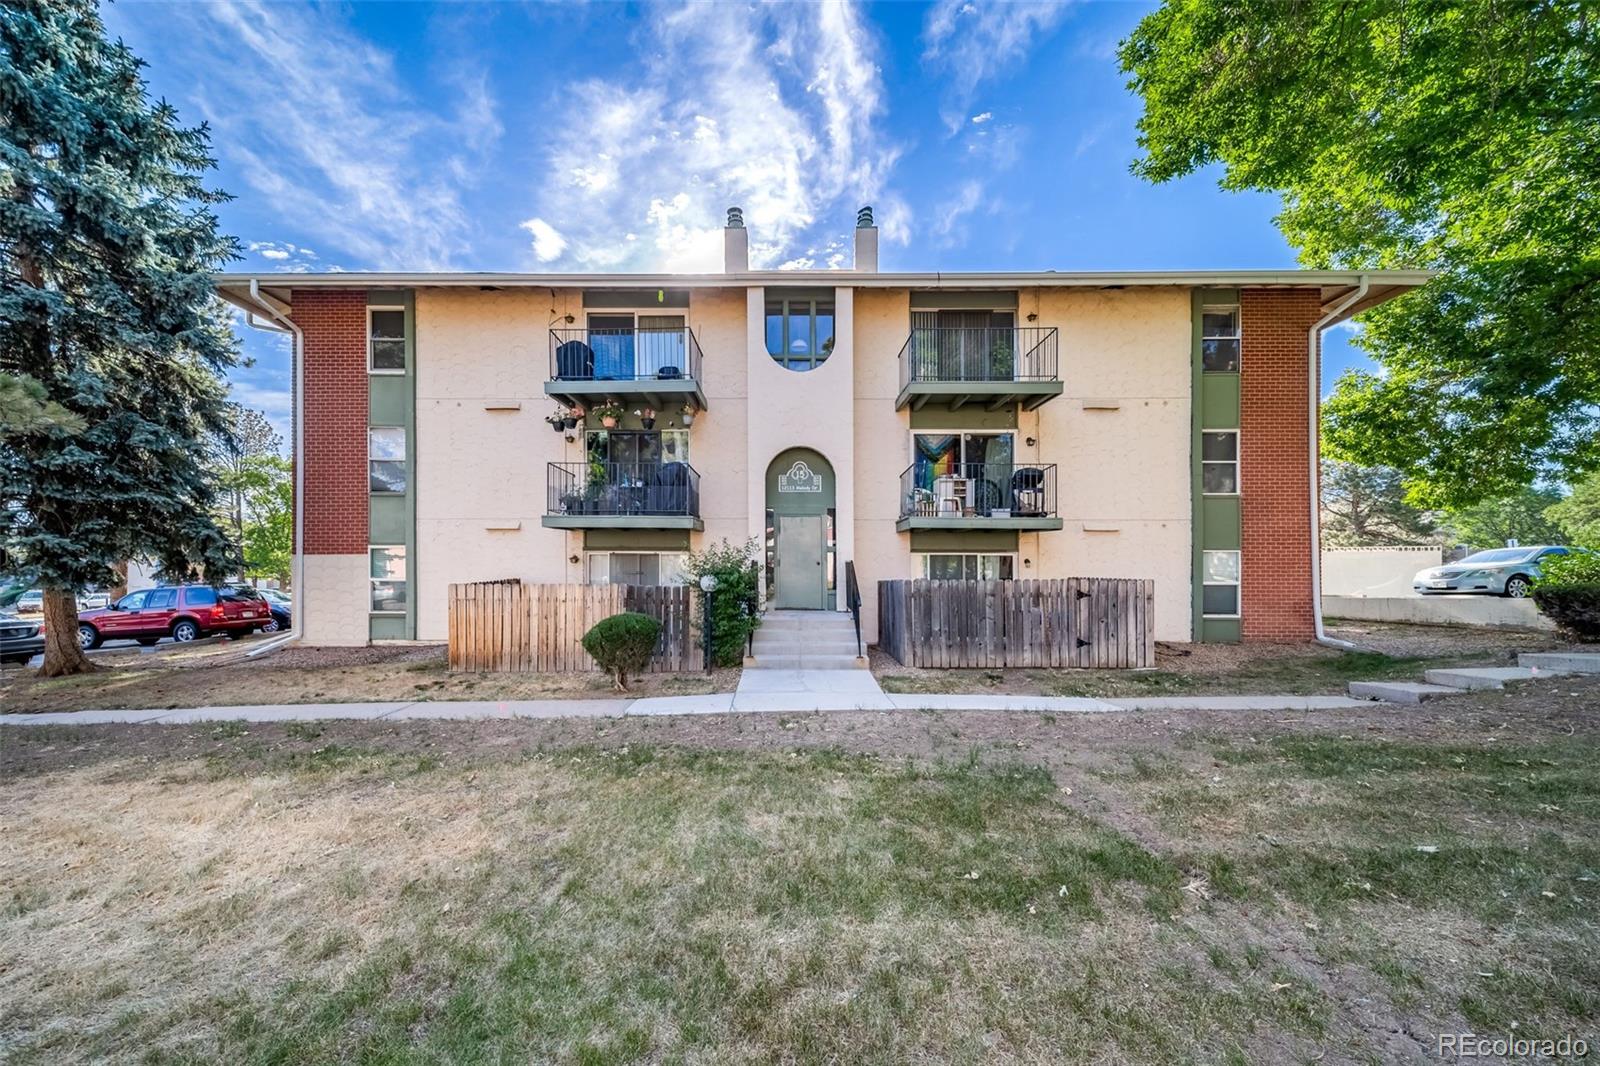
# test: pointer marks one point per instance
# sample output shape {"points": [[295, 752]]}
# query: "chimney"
{"points": [[735, 243], [866, 242]]}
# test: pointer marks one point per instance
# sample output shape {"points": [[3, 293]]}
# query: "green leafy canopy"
{"points": [[112, 346], [1458, 135]]}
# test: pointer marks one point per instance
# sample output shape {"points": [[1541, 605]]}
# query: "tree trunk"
{"points": [[62, 654], [121, 588]]}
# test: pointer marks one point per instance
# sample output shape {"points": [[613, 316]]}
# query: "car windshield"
{"points": [[1500, 555], [241, 594]]}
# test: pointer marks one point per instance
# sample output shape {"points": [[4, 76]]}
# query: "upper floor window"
{"points": [[799, 330], [386, 340], [386, 459], [1219, 462], [1219, 338]]}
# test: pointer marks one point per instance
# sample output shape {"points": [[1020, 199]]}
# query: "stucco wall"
{"points": [[717, 438], [1123, 475], [882, 446], [1375, 571], [337, 596]]}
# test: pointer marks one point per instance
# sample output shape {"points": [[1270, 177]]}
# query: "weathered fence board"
{"points": [[1098, 623], [509, 627]]}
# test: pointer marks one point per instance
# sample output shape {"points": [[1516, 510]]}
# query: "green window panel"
{"points": [[950, 540], [1220, 526], [653, 540], [964, 418]]}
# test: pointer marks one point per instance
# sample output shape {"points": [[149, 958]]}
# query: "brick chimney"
{"points": [[866, 242], [735, 243]]}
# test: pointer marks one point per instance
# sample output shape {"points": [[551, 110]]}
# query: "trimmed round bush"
{"points": [[623, 644], [1569, 593]]}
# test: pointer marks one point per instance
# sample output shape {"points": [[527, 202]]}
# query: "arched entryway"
{"points": [[800, 531]]}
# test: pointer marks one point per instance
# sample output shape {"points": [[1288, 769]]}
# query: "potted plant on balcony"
{"points": [[609, 414], [647, 417], [573, 415], [1002, 359], [557, 420], [688, 414]]}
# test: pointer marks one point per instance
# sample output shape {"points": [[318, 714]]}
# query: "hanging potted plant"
{"points": [[646, 417], [610, 414], [558, 420], [571, 416], [688, 414]]}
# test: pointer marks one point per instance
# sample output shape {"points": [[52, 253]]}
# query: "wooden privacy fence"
{"points": [[509, 627], [1087, 622]]}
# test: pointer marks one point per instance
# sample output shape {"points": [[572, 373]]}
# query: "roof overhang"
{"points": [[1334, 285]]}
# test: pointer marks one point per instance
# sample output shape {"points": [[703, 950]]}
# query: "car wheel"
{"points": [[1518, 587], [148, 642], [88, 637], [185, 631], [271, 626]]}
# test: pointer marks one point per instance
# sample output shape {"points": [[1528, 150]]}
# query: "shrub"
{"points": [[622, 644], [1569, 593], [735, 608]]}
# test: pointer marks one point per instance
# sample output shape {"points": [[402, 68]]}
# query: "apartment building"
{"points": [[592, 428]]}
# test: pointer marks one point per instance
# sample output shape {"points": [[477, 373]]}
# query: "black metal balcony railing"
{"points": [[979, 354], [621, 489], [978, 490], [624, 355]]}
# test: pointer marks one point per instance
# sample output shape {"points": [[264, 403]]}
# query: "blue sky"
{"points": [[607, 136]]}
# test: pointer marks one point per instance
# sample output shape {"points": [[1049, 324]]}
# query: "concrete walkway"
{"points": [[720, 703]]}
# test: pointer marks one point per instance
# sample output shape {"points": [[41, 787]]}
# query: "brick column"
{"points": [[335, 326], [1274, 471]]}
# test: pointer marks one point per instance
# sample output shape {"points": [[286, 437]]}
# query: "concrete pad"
{"points": [[715, 703], [487, 709], [973, 702], [287, 712], [812, 681], [1562, 662], [82, 717], [1238, 703], [1400, 691], [809, 702], [1486, 677]]}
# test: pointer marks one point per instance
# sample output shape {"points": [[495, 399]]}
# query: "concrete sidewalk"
{"points": [[718, 703]]}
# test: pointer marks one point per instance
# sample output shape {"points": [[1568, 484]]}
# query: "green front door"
{"points": [[801, 575]]}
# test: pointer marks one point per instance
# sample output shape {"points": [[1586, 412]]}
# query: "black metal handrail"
{"points": [[978, 490], [852, 599], [612, 489], [624, 355], [979, 354]]}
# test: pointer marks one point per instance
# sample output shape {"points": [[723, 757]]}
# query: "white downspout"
{"points": [[1314, 423], [297, 564]]}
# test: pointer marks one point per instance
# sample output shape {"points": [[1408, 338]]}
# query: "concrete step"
{"points": [[1561, 662], [805, 662], [1480, 677], [797, 625], [799, 645], [1400, 691]]}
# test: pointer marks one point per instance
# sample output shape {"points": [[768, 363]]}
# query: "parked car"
{"points": [[276, 605], [1496, 572], [93, 601], [30, 602], [20, 638], [182, 612]]}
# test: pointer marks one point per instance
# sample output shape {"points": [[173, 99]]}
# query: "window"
{"points": [[1219, 584], [386, 459], [133, 601], [956, 474], [968, 567], [626, 347], [388, 577], [635, 568], [633, 446], [1219, 339], [200, 596], [161, 600], [1219, 462], [799, 330], [386, 340]]}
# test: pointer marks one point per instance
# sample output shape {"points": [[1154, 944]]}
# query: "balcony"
{"points": [[993, 366], [978, 496], [657, 367], [623, 496]]}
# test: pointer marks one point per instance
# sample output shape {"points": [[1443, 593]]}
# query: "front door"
{"points": [[801, 579]]}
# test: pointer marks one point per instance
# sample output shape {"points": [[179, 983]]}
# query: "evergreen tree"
{"points": [[1366, 506], [111, 340]]}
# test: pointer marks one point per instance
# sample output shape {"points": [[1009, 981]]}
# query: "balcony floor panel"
{"points": [[1039, 522], [622, 521], [658, 393], [991, 394]]}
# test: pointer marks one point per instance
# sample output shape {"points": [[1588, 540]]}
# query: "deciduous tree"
{"points": [[109, 331]]}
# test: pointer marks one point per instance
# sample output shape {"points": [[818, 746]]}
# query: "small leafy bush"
{"points": [[736, 605], [1569, 593], [623, 644]]}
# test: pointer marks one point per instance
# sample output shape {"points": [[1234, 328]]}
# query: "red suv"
{"points": [[182, 612]]}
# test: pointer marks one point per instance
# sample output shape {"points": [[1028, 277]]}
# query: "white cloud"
{"points": [[950, 215], [980, 119], [547, 243], [287, 257], [773, 109], [970, 44], [317, 120]]}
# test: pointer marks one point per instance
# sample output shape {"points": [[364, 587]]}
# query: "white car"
{"points": [[1496, 572]]}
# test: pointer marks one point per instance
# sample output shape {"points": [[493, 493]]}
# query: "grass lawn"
{"points": [[856, 887]]}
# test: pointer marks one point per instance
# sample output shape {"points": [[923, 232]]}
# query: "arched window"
{"points": [[799, 328]]}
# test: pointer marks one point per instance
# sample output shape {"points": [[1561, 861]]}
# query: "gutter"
{"points": [[297, 565], [1314, 424]]}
